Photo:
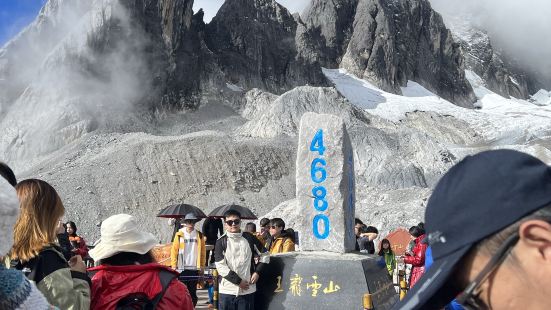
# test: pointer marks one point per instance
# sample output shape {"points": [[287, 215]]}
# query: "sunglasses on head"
{"points": [[233, 222]]}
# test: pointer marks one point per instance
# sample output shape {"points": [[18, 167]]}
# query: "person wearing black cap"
{"points": [[489, 228]]}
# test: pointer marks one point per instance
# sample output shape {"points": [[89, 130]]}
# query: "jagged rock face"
{"points": [[391, 42], [175, 52], [254, 43], [498, 74], [482, 59], [329, 23], [501, 74]]}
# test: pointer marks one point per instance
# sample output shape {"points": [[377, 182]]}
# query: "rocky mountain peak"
{"points": [[500, 72], [254, 43], [332, 21], [389, 43]]}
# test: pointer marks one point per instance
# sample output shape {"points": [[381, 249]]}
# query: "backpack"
{"points": [[140, 301]]}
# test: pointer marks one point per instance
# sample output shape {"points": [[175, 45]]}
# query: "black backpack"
{"points": [[140, 301]]}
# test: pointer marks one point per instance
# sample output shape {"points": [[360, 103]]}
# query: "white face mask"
{"points": [[9, 211]]}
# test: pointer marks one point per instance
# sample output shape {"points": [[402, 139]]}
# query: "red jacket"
{"points": [[112, 283], [417, 260]]}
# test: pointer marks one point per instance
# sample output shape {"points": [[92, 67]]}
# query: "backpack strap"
{"points": [[166, 277]]}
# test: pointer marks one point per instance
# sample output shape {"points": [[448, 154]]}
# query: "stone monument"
{"points": [[324, 275], [325, 184]]}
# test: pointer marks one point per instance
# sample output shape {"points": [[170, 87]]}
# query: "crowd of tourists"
{"points": [[189, 254], [43, 259], [484, 244], [52, 255]]}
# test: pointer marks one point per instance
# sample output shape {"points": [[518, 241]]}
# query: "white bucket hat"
{"points": [[9, 211], [121, 233]]}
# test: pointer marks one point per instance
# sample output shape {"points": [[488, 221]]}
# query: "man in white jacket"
{"points": [[234, 258]]}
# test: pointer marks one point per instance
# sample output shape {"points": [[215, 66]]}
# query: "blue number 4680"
{"points": [[317, 143]]}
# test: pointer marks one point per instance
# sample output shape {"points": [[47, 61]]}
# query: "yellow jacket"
{"points": [[282, 245], [261, 238], [177, 245]]}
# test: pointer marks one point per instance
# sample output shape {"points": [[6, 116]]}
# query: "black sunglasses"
{"points": [[233, 222], [468, 298], [273, 227]]}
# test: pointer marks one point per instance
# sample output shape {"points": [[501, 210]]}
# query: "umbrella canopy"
{"points": [[180, 210], [246, 214]]}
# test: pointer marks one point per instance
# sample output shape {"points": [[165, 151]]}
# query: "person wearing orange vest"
{"points": [[188, 254]]}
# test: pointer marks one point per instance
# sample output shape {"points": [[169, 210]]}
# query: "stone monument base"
{"points": [[324, 280]]}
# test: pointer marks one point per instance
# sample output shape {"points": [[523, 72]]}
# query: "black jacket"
{"points": [[65, 245], [365, 245], [211, 228]]}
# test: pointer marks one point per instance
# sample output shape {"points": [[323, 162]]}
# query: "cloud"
{"points": [[522, 29], [70, 77]]}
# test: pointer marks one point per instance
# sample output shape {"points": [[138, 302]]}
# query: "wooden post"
{"points": [[367, 302], [215, 292], [403, 288]]}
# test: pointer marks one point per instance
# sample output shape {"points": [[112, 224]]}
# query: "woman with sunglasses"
{"points": [[489, 228]]}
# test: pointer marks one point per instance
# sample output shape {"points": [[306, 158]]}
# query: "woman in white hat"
{"points": [[128, 275]]}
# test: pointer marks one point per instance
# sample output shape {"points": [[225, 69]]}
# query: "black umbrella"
{"points": [[246, 214], [180, 210]]}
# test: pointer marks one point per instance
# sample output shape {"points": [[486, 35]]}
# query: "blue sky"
{"points": [[15, 15]]}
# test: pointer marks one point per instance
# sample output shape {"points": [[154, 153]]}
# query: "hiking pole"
{"points": [[215, 293]]}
